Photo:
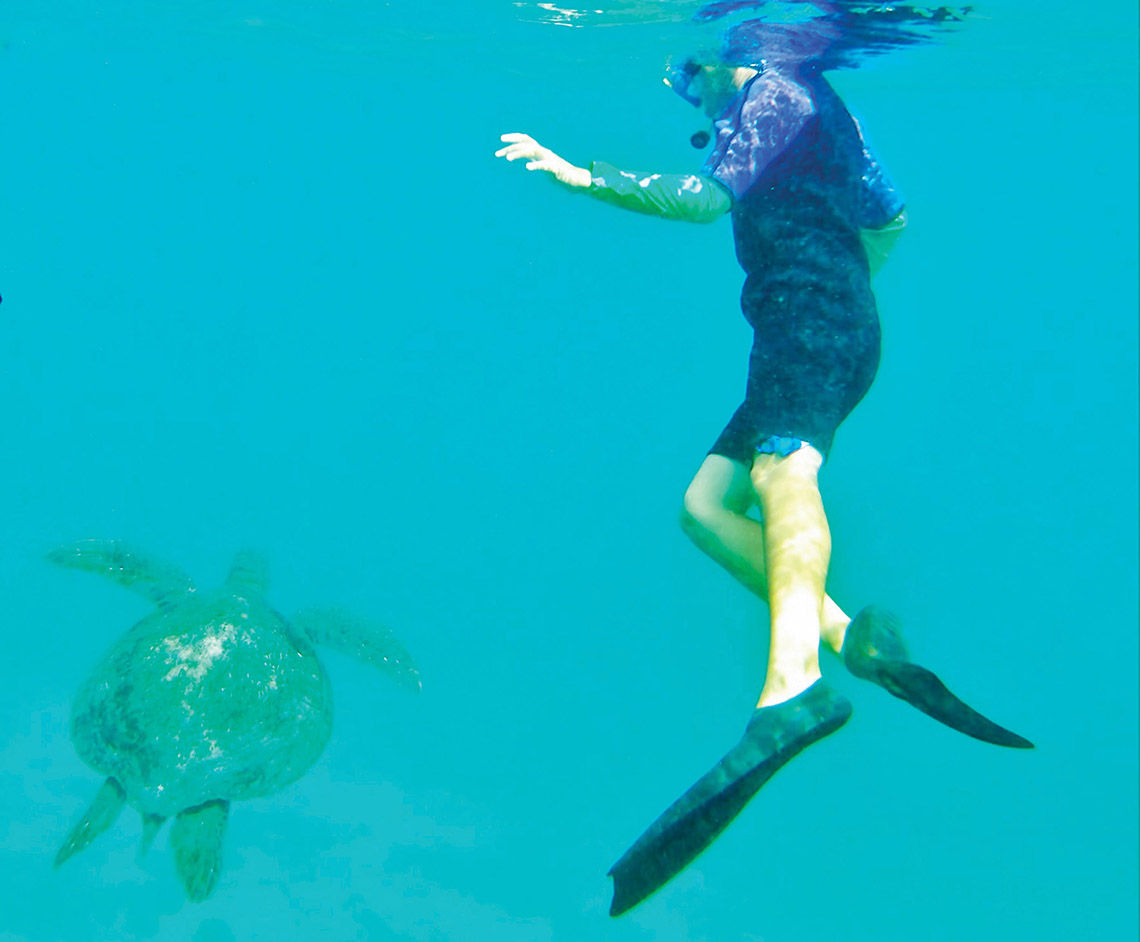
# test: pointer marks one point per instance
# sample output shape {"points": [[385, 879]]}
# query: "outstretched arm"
{"points": [[537, 157], [687, 197]]}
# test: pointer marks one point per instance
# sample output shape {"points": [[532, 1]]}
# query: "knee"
{"points": [[698, 513]]}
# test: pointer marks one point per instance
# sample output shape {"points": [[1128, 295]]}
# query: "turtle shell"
{"points": [[211, 697]]}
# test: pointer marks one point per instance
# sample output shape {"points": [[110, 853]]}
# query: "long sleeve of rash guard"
{"points": [[685, 196]]}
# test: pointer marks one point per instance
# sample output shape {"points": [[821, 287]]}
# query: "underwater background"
{"points": [[264, 285]]}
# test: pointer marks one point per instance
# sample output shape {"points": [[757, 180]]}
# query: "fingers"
{"points": [[515, 151], [524, 147], [521, 145], [517, 142]]}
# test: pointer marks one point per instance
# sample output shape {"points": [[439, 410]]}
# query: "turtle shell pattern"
{"points": [[212, 697]]}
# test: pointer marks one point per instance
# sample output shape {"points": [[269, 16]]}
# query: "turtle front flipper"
{"points": [[96, 819], [196, 838], [160, 582], [348, 634]]}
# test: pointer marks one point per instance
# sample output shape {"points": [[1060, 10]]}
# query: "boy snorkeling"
{"points": [[813, 215]]}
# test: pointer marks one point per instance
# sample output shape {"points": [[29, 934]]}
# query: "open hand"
{"points": [[537, 157]]}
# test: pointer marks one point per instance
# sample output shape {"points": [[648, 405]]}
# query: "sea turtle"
{"points": [[215, 697]]}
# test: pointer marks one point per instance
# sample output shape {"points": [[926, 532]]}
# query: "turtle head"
{"points": [[248, 574]]}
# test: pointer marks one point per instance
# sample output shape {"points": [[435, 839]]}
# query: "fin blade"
{"points": [[775, 736], [924, 690], [874, 650], [663, 852]]}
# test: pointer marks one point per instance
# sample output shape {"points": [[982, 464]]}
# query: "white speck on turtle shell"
{"points": [[202, 654]]}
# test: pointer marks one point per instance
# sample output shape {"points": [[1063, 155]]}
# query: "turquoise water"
{"points": [[264, 285]]}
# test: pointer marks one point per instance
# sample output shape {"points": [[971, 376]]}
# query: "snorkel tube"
{"points": [[680, 79]]}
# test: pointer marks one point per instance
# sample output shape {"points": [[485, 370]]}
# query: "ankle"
{"points": [[833, 633], [783, 685]]}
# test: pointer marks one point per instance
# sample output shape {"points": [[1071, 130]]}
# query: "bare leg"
{"points": [[793, 546], [714, 517], [797, 545]]}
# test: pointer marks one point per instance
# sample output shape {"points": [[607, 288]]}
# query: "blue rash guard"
{"points": [[805, 193]]}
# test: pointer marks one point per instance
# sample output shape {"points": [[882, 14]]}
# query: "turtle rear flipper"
{"points": [[96, 819], [344, 632], [196, 838], [158, 581]]}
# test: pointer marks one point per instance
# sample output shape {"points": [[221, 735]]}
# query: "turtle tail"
{"points": [[151, 823]]}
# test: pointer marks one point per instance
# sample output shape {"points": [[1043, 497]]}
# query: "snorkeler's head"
{"points": [[706, 81]]}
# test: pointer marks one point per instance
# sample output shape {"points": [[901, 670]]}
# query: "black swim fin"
{"points": [[874, 650], [774, 735]]}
